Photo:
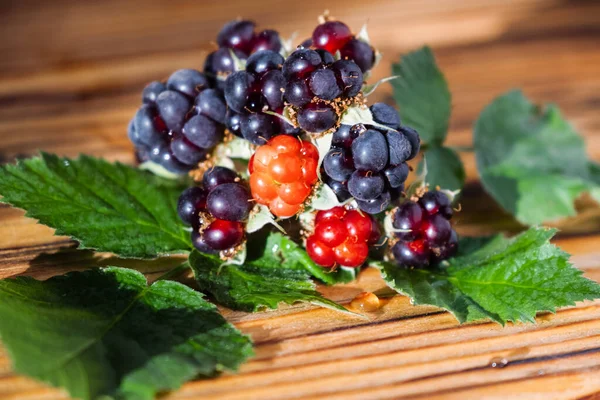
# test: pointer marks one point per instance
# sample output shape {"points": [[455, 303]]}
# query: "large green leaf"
{"points": [[276, 274], [499, 279], [531, 160], [107, 207], [422, 94], [105, 332]]}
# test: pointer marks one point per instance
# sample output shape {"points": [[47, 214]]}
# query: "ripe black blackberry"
{"points": [[240, 38], [317, 87], [369, 163], [179, 122], [254, 90], [427, 236], [217, 210]]}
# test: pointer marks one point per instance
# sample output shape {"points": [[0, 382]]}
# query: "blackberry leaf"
{"points": [[105, 332], [106, 207], [444, 168], [422, 95], [277, 274], [531, 160], [499, 279]]}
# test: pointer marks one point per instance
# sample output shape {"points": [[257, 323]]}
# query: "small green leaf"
{"points": [[277, 274], [422, 94], [369, 89], [361, 115], [159, 170], [444, 168], [502, 279], [105, 332], [322, 198], [531, 160], [106, 207]]}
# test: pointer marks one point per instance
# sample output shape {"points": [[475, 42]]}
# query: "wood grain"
{"points": [[70, 79]]}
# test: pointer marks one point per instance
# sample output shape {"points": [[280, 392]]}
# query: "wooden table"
{"points": [[71, 73]]}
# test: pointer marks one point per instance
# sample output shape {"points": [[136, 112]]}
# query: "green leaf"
{"points": [[279, 273], [422, 94], [531, 160], [444, 168], [105, 332], [106, 207], [502, 279]]}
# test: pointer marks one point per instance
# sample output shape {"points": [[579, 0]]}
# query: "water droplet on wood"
{"points": [[366, 302], [498, 362]]}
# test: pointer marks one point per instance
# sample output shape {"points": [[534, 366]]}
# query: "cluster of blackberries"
{"points": [[179, 122], [314, 81], [238, 37], [257, 89], [216, 210], [369, 163], [334, 36], [425, 235]]}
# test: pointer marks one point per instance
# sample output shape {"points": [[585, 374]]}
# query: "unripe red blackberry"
{"points": [[341, 237]]}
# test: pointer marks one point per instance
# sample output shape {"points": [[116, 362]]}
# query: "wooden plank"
{"points": [[578, 384]]}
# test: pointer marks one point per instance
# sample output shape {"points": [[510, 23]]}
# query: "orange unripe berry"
{"points": [[281, 209], [286, 168], [262, 187]]}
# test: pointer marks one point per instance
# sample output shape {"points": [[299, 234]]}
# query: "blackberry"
{"points": [[217, 210], [223, 235], [339, 188], [240, 38], [331, 36], [369, 162], [229, 201], [370, 151], [427, 237], [334, 36], [190, 202], [314, 81], [376, 205], [218, 176], [366, 185], [267, 40], [257, 89], [220, 63], [179, 122], [237, 35], [360, 52]]}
